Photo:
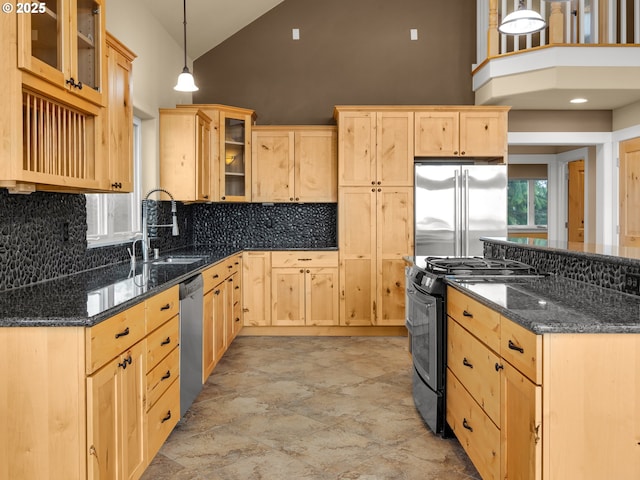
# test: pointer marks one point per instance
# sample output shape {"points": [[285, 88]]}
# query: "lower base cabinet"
{"points": [[304, 288], [90, 403], [222, 310], [116, 417], [568, 402]]}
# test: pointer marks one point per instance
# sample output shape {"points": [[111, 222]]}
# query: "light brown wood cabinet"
{"points": [[64, 45], [118, 117], [256, 291], [473, 132], [222, 310], [294, 164], [548, 397], [51, 130], [104, 386], [230, 151], [116, 416], [116, 392], [375, 147], [304, 288], [185, 163], [376, 231]]}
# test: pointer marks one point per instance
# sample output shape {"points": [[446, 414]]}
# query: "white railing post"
{"points": [[623, 21], [595, 22], [581, 21], [503, 38]]}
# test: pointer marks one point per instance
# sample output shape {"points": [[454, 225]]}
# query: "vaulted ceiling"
{"points": [[209, 22]]}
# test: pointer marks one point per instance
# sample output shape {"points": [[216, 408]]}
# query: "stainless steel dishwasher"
{"points": [[190, 341]]}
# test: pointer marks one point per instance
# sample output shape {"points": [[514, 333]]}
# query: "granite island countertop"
{"points": [[554, 304]]}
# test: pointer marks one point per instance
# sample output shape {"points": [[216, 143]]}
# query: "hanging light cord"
{"points": [[184, 24]]}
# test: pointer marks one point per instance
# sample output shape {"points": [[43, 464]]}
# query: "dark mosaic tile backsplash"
{"points": [[586, 268], [254, 225], [43, 235]]}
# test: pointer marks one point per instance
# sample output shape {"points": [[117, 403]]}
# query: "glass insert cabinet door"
{"points": [[235, 165], [62, 42]]}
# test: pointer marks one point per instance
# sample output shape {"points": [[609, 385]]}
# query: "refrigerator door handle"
{"points": [[465, 213], [457, 224]]}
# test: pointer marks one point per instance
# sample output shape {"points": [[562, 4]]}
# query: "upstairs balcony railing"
{"points": [[575, 22]]}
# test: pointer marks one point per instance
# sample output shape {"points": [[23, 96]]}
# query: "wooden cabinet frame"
{"points": [[294, 164]]}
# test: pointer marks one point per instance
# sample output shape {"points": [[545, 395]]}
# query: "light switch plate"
{"points": [[295, 34], [414, 33]]}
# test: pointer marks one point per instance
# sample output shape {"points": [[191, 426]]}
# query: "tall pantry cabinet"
{"points": [[375, 212]]}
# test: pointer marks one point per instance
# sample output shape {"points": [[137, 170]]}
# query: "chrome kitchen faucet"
{"points": [[145, 228]]}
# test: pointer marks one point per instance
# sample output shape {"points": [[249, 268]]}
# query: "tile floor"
{"points": [[312, 408]]}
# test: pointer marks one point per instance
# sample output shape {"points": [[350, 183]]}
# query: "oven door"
{"points": [[425, 325]]}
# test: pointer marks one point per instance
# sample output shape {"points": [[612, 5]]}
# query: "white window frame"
{"points": [[531, 204], [104, 236]]}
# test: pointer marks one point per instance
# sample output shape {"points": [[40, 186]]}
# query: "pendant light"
{"points": [[522, 22], [185, 79]]}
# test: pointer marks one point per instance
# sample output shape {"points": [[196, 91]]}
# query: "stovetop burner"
{"points": [[466, 266]]}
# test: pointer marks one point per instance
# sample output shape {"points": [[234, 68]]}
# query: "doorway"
{"points": [[629, 193], [575, 203]]}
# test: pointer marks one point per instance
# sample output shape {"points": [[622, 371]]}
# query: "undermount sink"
{"points": [[174, 260]]}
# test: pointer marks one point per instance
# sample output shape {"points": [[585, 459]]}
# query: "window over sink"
{"points": [[114, 218]]}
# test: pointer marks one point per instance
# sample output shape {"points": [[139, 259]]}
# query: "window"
{"points": [[115, 217], [527, 203]]}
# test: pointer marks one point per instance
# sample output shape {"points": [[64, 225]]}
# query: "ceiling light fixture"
{"points": [[522, 22], [185, 79], [578, 100]]}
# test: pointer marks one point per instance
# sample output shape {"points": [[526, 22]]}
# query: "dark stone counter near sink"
{"points": [[87, 298]]}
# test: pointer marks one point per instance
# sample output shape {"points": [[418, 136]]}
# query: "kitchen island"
{"points": [[544, 384]]}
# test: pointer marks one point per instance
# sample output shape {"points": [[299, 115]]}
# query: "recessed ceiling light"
{"points": [[578, 100]]}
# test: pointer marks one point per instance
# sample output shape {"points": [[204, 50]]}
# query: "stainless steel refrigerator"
{"points": [[457, 204]]}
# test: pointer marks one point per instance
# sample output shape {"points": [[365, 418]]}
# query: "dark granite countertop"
{"points": [[555, 304], [87, 298]]}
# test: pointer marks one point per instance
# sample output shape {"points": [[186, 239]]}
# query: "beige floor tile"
{"points": [[309, 408]]}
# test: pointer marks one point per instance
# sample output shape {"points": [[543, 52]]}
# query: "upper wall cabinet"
{"points": [[185, 162], [375, 146], [294, 164], [51, 129], [63, 42], [473, 132], [118, 124], [230, 151]]}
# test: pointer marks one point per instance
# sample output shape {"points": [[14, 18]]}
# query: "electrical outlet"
{"points": [[632, 283]]}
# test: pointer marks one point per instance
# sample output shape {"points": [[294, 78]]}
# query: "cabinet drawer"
{"points": [[477, 368], [212, 276], [162, 376], [523, 349], [304, 258], [162, 341], [109, 338], [477, 434], [480, 320], [162, 307], [161, 419]]}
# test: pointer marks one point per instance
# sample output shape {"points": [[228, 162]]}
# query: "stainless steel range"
{"points": [[426, 323]]}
